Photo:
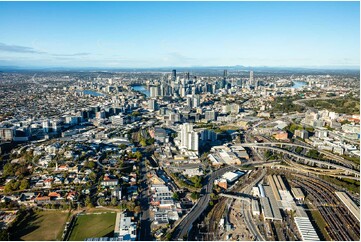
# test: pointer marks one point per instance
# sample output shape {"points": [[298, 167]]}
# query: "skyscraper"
{"points": [[225, 74], [210, 115], [152, 105], [193, 141], [174, 75], [251, 78], [189, 137], [184, 130], [154, 91]]}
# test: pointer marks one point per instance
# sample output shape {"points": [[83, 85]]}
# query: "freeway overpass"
{"points": [[328, 154], [246, 199], [300, 157]]}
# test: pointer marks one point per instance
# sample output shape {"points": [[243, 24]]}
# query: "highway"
{"points": [[332, 156], [323, 163], [186, 224]]}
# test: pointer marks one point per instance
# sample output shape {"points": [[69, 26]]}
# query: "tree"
{"points": [[8, 169], [130, 206], [175, 196], [114, 201], [195, 195], [101, 201], [143, 142], [299, 150], [91, 164], [88, 202], [93, 176], [24, 184], [4, 235], [138, 155], [137, 209]]}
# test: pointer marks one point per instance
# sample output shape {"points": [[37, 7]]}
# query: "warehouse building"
{"points": [[346, 200], [255, 208], [307, 231], [274, 205]]}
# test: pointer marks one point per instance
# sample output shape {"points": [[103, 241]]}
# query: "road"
{"points": [[145, 222], [185, 226], [319, 162], [247, 208]]}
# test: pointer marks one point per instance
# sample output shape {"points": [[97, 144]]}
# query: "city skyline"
{"points": [[180, 34]]}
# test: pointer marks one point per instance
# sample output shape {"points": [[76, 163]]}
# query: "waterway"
{"points": [[142, 89], [93, 93], [298, 84]]}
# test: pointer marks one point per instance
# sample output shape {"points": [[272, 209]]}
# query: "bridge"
{"points": [[300, 157], [245, 199], [328, 154]]}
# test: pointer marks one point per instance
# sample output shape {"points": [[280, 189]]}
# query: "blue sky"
{"points": [[160, 34]]}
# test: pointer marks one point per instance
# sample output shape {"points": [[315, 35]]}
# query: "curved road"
{"points": [[185, 226], [345, 169]]}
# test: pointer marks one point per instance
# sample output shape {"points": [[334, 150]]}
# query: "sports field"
{"points": [[44, 225], [93, 226]]}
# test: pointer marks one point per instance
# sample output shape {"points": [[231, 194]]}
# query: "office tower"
{"points": [[193, 141], [153, 91], [251, 78], [7, 133], [56, 125], [152, 105], [189, 101], [208, 135], [174, 75], [46, 125], [225, 74], [187, 75], [196, 101], [210, 115], [255, 84], [182, 91], [118, 120], [185, 129]]}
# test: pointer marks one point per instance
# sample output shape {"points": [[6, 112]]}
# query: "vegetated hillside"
{"points": [[347, 105]]}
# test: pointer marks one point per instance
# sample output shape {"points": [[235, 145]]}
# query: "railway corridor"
{"points": [[340, 224]]}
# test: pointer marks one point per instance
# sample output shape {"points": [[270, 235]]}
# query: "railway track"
{"points": [[341, 225]]}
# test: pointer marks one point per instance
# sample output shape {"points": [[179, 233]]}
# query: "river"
{"points": [[142, 89], [298, 84]]}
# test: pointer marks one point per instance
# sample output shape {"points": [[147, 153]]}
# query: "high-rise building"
{"points": [[174, 75], [7, 133], [185, 129], [152, 105], [251, 78], [46, 126], [208, 135], [153, 91], [118, 120], [193, 141], [225, 74], [188, 76], [189, 137], [196, 101], [210, 115]]}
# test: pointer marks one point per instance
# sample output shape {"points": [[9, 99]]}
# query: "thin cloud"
{"points": [[26, 49], [19, 49], [75, 54]]}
